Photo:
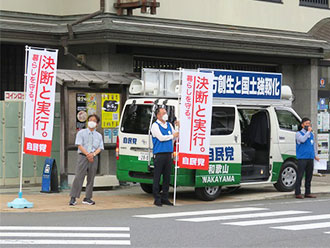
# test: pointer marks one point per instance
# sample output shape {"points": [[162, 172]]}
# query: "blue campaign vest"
{"points": [[163, 146], [305, 150]]}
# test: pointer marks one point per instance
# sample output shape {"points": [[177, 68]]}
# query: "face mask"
{"points": [[91, 124], [306, 128], [165, 117]]}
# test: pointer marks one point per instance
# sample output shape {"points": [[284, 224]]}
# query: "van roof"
{"points": [[220, 101]]}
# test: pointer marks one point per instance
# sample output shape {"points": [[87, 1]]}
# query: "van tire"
{"points": [[208, 193], [288, 177], [233, 189], [146, 187]]}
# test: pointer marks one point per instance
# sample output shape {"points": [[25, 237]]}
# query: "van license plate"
{"points": [[144, 156]]}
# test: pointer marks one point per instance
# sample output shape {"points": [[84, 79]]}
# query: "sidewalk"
{"points": [[134, 197]]}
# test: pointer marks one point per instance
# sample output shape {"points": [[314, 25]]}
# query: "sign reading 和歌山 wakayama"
{"points": [[219, 174], [242, 84]]}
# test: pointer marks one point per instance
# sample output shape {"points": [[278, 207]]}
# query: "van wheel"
{"points": [[146, 187], [288, 177], [233, 189], [208, 193]]}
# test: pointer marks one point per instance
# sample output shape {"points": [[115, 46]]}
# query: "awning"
{"points": [[99, 78]]}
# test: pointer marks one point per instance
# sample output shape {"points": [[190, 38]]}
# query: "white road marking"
{"points": [[62, 242], [63, 228], [65, 235], [304, 226], [243, 216], [280, 220], [205, 212], [15, 235]]}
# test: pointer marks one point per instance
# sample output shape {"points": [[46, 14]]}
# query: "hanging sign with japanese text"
{"points": [[242, 84], [40, 101], [195, 117], [110, 110]]}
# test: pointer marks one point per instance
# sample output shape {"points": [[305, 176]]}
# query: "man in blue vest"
{"points": [[163, 135], [306, 152]]}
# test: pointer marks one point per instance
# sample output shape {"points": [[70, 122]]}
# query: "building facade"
{"points": [[287, 36]]}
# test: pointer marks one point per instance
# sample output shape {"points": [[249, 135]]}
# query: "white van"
{"points": [[252, 141]]}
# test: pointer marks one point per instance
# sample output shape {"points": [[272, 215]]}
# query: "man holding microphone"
{"points": [[306, 152]]}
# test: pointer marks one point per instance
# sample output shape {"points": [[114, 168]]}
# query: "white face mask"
{"points": [[91, 124], [165, 117]]}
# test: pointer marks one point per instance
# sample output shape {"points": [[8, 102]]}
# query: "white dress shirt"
{"points": [[155, 131]]}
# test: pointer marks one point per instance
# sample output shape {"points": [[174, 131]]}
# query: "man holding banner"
{"points": [[162, 138]]}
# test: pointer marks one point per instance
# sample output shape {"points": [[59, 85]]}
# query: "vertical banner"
{"points": [[110, 110], [195, 117], [40, 101]]}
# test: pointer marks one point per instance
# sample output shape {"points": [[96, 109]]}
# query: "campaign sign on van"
{"points": [[241, 84], [40, 101], [195, 120]]}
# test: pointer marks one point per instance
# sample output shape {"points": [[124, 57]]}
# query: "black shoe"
{"points": [[88, 201], [158, 203], [72, 201], [167, 202]]}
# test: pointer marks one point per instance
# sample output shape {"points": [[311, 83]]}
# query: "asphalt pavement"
{"points": [[266, 223]]}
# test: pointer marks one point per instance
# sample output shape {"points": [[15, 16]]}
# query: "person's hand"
{"points": [[176, 134], [317, 158], [310, 129], [90, 157]]}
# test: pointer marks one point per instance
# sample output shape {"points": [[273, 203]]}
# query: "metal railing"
{"points": [[315, 3]]}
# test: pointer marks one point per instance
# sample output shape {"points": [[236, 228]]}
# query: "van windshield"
{"points": [[136, 118]]}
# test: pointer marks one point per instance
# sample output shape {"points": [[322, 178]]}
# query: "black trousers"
{"points": [[163, 166], [304, 166]]}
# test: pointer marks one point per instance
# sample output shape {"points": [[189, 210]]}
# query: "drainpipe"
{"points": [[67, 53], [85, 18], [71, 34]]}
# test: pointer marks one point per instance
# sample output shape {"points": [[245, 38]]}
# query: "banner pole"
{"points": [[20, 202], [177, 145], [23, 125]]}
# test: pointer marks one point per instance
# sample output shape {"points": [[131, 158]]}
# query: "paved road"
{"points": [[271, 223]]}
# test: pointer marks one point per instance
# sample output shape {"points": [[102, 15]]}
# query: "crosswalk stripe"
{"points": [[327, 232], [63, 228], [205, 212], [65, 235], [304, 226], [62, 242], [243, 216], [279, 220]]}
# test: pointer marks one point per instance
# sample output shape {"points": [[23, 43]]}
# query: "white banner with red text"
{"points": [[195, 120], [40, 101]]}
